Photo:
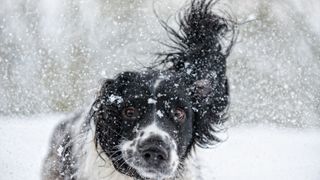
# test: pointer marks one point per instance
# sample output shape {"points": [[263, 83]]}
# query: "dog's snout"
{"points": [[154, 151]]}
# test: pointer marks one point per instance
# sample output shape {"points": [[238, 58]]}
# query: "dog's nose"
{"points": [[154, 155], [154, 151]]}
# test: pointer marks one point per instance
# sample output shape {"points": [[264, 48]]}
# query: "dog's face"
{"points": [[145, 124]]}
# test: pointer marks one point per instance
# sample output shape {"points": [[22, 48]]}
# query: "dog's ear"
{"points": [[199, 52], [105, 83], [210, 99], [211, 92]]}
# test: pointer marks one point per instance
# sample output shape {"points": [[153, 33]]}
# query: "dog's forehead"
{"points": [[150, 83]]}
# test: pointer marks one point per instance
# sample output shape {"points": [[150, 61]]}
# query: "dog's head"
{"points": [[146, 127], [147, 122]]}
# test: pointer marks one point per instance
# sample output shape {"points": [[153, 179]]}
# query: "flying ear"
{"points": [[198, 52], [210, 102]]}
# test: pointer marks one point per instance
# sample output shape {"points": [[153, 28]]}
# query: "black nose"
{"points": [[154, 154], [154, 151]]}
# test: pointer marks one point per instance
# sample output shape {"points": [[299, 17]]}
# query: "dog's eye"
{"points": [[180, 115], [130, 113]]}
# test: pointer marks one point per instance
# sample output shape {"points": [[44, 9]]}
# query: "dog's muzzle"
{"points": [[152, 154]]}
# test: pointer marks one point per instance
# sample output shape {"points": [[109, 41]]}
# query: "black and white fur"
{"points": [[145, 125]]}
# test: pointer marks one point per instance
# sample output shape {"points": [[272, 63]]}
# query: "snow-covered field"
{"points": [[250, 153]]}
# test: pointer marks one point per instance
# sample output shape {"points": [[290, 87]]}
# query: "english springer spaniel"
{"points": [[146, 125]]}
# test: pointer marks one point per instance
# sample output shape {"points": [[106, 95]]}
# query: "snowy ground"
{"points": [[250, 153]]}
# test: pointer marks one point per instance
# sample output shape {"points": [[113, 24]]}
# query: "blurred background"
{"points": [[53, 54]]}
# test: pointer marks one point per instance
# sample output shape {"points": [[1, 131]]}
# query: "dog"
{"points": [[147, 125]]}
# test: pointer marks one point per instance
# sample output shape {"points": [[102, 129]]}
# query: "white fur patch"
{"points": [[153, 129]]}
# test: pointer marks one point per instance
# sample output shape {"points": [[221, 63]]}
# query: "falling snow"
{"points": [[54, 54], [159, 113], [113, 98], [152, 101]]}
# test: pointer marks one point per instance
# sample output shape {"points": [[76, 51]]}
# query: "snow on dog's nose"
{"points": [[152, 153]]}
